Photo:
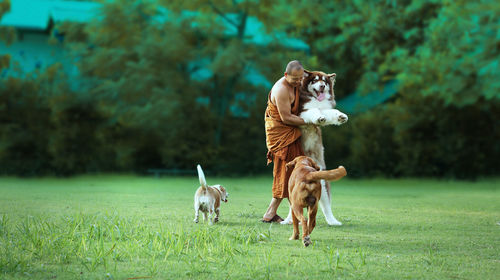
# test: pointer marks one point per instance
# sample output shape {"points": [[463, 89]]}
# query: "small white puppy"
{"points": [[207, 199]]}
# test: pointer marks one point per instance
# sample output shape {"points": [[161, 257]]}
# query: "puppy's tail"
{"points": [[329, 175], [201, 175]]}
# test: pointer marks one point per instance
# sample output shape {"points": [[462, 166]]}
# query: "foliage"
{"points": [[169, 84], [419, 137], [47, 128], [7, 34], [174, 76], [24, 129], [445, 57], [446, 141], [355, 38], [459, 62], [444, 48]]}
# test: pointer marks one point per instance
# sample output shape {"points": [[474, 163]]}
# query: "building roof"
{"points": [[36, 15]]}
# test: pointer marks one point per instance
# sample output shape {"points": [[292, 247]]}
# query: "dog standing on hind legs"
{"points": [[317, 103], [304, 188], [207, 199]]}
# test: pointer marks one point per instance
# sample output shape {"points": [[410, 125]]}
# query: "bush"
{"points": [[446, 141], [418, 137], [25, 129], [74, 145]]}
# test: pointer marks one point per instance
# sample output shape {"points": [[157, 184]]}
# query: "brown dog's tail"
{"points": [[201, 176], [329, 175]]}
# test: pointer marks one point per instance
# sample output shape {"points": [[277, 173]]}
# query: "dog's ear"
{"points": [[290, 165], [332, 78], [307, 73], [314, 164]]}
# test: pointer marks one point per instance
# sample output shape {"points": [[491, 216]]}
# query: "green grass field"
{"points": [[127, 227]]}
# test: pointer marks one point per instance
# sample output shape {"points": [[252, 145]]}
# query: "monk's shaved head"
{"points": [[292, 66]]}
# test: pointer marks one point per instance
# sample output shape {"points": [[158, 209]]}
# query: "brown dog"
{"points": [[304, 188]]}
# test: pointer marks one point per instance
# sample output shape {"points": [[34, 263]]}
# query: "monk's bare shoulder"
{"points": [[282, 95], [279, 91]]}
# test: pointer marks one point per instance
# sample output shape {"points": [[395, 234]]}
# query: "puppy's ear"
{"points": [[314, 164], [290, 165], [306, 73]]}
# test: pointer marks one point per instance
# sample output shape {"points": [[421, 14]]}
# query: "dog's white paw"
{"points": [[333, 222], [286, 222], [195, 220], [321, 120], [342, 118]]}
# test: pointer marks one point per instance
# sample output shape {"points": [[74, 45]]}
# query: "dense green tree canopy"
{"points": [[174, 83], [150, 56], [460, 59]]}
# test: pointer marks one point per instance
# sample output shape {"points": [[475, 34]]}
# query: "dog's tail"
{"points": [[201, 175], [329, 175]]}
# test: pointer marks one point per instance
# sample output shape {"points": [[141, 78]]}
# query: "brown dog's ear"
{"points": [[314, 164], [306, 73], [290, 164]]}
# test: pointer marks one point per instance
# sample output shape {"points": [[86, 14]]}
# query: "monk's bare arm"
{"points": [[282, 100]]}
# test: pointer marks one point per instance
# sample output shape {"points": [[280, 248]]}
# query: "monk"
{"points": [[283, 133]]}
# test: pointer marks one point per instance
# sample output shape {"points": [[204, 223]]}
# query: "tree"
{"points": [[454, 74], [7, 34], [444, 56], [459, 62], [150, 64], [230, 50]]}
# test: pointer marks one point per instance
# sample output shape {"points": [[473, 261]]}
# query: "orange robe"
{"points": [[283, 145]]}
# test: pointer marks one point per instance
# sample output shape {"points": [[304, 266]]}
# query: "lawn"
{"points": [[129, 227]]}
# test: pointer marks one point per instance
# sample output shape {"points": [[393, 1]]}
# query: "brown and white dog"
{"points": [[207, 199], [317, 103], [304, 188]]}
